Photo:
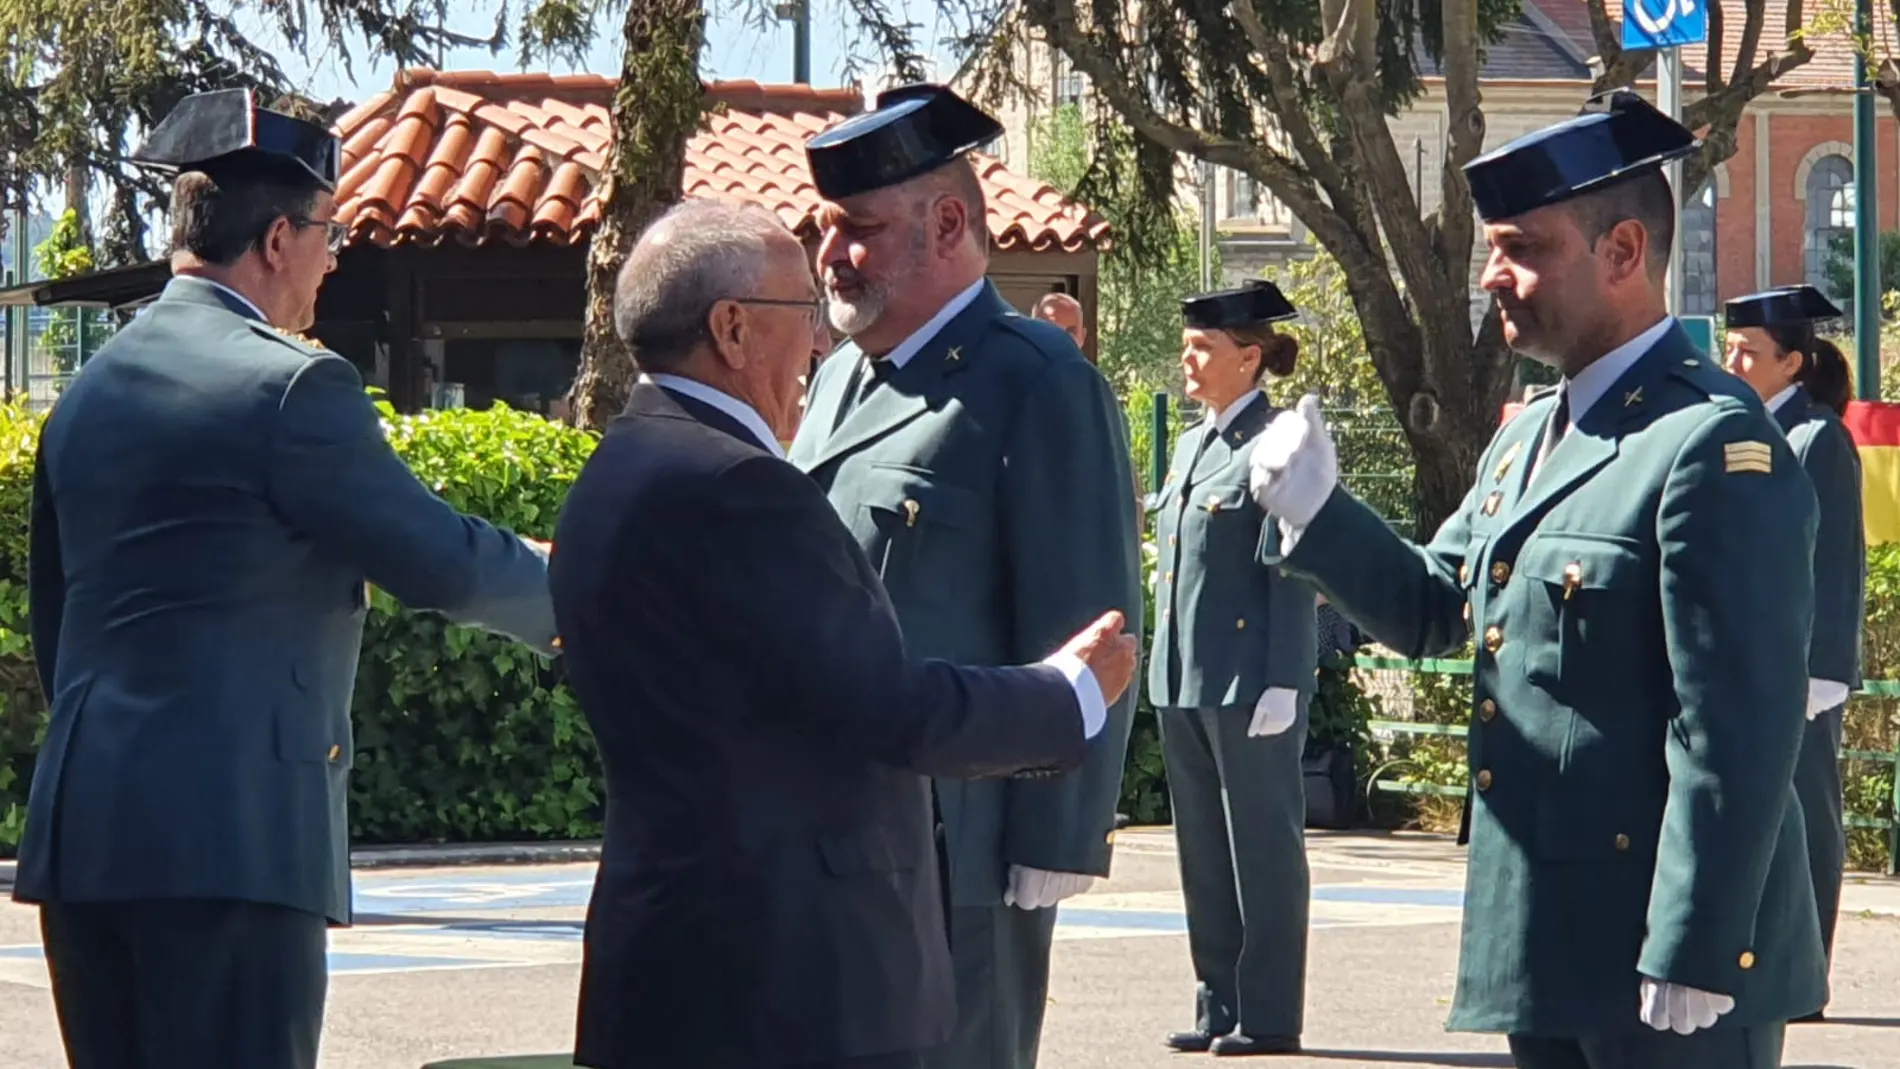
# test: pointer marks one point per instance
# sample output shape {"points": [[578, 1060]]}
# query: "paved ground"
{"points": [[462, 961]]}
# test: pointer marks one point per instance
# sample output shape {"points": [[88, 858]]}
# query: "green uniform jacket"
{"points": [[1230, 626], [1642, 613], [988, 480], [210, 499], [1826, 452]]}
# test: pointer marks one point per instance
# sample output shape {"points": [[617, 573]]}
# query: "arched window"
{"points": [[1696, 231], [1830, 217]]}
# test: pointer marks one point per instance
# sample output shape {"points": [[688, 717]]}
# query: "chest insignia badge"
{"points": [[1505, 464]]}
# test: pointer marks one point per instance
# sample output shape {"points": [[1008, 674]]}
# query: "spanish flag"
{"points": [[1875, 426]]}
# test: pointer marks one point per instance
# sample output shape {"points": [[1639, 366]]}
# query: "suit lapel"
{"points": [[910, 391], [1595, 439]]}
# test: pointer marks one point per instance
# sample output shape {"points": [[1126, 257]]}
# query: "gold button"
{"points": [[1484, 779], [1464, 573], [1467, 614], [1168, 577], [1170, 540], [334, 751], [1213, 503], [1622, 841], [1747, 960], [1487, 709], [1493, 638], [1500, 572], [1240, 624]]}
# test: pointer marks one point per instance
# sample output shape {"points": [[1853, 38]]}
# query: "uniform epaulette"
{"points": [[1039, 334], [1706, 377]]}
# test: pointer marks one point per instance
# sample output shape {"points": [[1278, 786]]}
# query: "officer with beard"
{"points": [[1634, 560], [984, 466]]}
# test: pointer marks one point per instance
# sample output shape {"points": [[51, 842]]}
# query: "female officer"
{"points": [[1803, 381], [1231, 672]]}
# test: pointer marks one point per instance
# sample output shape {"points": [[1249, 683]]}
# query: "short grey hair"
{"points": [[697, 254]]}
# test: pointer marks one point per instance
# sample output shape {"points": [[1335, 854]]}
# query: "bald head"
{"points": [[1065, 312]]}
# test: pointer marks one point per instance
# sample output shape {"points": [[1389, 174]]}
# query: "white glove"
{"points": [[1275, 712], [1824, 694], [1038, 889], [1675, 1008], [1295, 466]]}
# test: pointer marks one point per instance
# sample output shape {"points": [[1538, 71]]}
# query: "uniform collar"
{"points": [[1588, 386], [910, 346], [1225, 417], [1787, 394]]}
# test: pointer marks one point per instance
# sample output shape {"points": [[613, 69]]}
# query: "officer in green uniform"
{"points": [[1231, 675], [983, 464], [1803, 380], [211, 498], [1634, 559]]}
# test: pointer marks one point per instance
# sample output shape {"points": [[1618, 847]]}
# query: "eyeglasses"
{"points": [[334, 234], [814, 307]]}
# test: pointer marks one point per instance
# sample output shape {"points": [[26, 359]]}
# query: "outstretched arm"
{"points": [[800, 598], [334, 476]]}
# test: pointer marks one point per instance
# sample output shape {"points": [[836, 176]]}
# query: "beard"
{"points": [[860, 312]]}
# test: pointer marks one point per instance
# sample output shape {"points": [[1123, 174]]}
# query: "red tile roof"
{"points": [[475, 157]]}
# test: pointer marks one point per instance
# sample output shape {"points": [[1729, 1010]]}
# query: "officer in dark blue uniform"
{"points": [[1635, 559], [1231, 674], [1803, 380]]}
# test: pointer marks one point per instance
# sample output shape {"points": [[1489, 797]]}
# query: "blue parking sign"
{"points": [[1665, 23]]}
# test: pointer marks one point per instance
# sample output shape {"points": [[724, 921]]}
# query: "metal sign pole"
{"points": [[1669, 101]]}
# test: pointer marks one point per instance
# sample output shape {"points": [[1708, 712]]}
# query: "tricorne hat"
{"points": [[913, 130], [1617, 135], [207, 128]]}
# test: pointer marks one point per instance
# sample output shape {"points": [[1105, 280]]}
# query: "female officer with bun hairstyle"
{"points": [[1231, 674], [1803, 380]]}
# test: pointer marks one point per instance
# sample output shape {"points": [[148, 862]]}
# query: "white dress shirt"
{"points": [[1775, 402], [1088, 693], [1225, 417]]}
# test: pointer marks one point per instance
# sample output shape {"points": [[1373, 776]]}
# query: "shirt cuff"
{"points": [[1825, 694], [1088, 693]]}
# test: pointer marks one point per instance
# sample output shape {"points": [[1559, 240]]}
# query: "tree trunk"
{"points": [[657, 110]]}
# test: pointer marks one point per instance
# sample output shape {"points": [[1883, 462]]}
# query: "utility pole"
{"points": [[1669, 101], [1867, 280]]}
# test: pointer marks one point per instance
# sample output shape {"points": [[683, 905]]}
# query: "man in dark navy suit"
{"points": [[769, 890], [211, 496]]}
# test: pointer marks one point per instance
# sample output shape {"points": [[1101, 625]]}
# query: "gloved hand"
{"points": [[1674, 1008], [1275, 712], [1294, 465], [1824, 694], [1038, 889]]}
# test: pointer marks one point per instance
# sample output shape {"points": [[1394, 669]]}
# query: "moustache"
{"points": [[840, 277]]}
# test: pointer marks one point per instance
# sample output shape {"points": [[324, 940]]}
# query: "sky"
{"points": [[737, 47]]}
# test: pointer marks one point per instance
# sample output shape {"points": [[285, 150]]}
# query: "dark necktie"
{"points": [[871, 373], [1555, 430]]}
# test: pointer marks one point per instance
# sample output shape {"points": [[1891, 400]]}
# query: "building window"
{"points": [[1698, 253], [1068, 81], [1245, 202], [1830, 216]]}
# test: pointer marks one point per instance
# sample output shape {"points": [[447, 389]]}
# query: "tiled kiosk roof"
{"points": [[474, 157]]}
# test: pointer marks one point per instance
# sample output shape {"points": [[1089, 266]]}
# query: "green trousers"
{"points": [[1817, 783], [1729, 1048], [1001, 957], [1240, 833]]}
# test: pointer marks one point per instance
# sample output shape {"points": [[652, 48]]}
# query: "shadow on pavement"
{"points": [[1413, 1057], [1864, 1022]]}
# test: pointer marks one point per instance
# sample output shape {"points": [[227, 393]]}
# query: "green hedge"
{"points": [[460, 736]]}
